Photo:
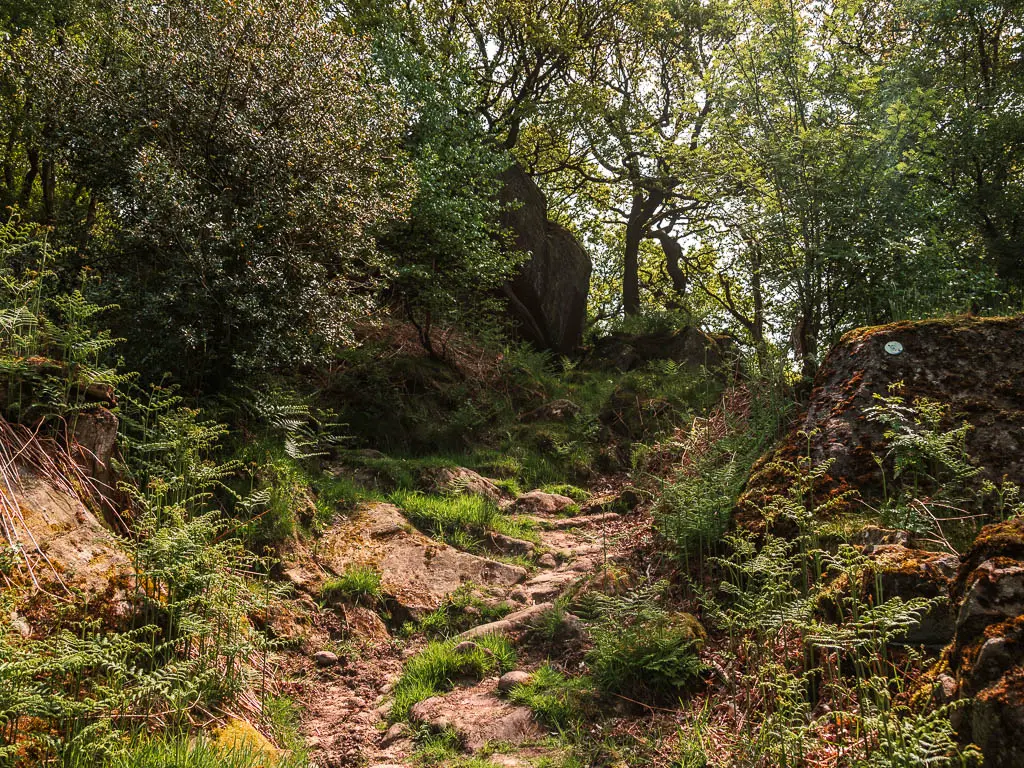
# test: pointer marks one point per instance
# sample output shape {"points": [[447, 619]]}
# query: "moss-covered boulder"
{"points": [[899, 572], [975, 365], [986, 657]]}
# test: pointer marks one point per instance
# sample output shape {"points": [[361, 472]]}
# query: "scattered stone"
{"points": [[508, 545], [519, 595], [541, 503], [478, 716], [573, 629], [467, 646], [547, 560], [325, 658], [510, 680], [947, 690], [395, 733]]}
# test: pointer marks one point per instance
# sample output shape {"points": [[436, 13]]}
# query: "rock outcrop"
{"points": [[976, 365], [689, 348], [904, 573], [548, 298], [416, 571], [986, 658], [63, 540]]}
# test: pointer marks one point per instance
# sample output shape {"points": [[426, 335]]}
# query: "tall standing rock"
{"points": [[548, 298]]}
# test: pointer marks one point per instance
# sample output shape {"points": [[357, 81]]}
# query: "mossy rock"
{"points": [[239, 735], [986, 657], [975, 365]]}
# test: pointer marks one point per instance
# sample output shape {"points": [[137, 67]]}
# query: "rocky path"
{"points": [[345, 704]]}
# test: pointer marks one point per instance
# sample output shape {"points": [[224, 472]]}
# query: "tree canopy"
{"points": [[253, 178]]}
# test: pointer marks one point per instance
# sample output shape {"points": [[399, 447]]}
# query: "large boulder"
{"points": [[689, 348], [548, 298], [986, 657], [976, 365]]}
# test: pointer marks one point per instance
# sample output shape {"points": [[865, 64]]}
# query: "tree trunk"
{"points": [[631, 266], [640, 213], [673, 262]]}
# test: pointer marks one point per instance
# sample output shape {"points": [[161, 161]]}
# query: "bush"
{"points": [[649, 660], [639, 649]]}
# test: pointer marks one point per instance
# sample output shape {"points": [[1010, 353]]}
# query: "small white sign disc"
{"points": [[893, 347]]}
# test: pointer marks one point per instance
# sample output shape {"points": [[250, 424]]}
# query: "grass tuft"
{"points": [[358, 584], [462, 521], [439, 668]]}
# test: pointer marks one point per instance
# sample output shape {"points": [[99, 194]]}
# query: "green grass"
{"points": [[358, 584], [556, 700], [452, 617], [577, 494], [438, 668], [462, 521], [187, 752]]}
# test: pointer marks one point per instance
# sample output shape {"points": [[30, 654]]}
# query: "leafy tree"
{"points": [[958, 68], [247, 154], [450, 254]]}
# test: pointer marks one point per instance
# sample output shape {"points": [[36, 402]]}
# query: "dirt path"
{"points": [[344, 706]]}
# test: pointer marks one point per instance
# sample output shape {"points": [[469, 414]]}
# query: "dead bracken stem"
{"points": [[22, 448]]}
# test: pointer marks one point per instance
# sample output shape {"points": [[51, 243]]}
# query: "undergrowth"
{"points": [[359, 584]]}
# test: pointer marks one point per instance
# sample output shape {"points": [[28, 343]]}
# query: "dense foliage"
{"points": [[260, 241]]}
